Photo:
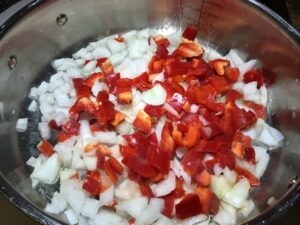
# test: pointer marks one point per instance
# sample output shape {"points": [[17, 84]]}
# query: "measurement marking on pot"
{"points": [[12, 62], [61, 19]]}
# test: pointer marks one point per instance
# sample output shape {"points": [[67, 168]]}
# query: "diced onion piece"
{"points": [[230, 175], [164, 221], [105, 217], [57, 205], [90, 208], [49, 170], [44, 130], [194, 220], [101, 52], [33, 106], [179, 171], [269, 135], [164, 187], [116, 59], [71, 216], [238, 194], [134, 207], [225, 218], [33, 93], [262, 165], [247, 208], [107, 137], [21, 125], [171, 110], [157, 204], [147, 217], [220, 185], [85, 131], [155, 96], [115, 46], [107, 197], [65, 174], [235, 56], [90, 162], [127, 189]]}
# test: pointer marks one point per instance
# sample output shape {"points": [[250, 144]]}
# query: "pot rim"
{"points": [[266, 216]]}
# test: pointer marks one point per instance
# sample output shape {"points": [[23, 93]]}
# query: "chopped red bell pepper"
{"points": [[189, 206], [168, 206], [188, 50], [46, 148], [92, 183], [190, 33], [254, 75]]}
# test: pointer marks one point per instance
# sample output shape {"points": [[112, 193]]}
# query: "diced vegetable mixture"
{"points": [[152, 129]]}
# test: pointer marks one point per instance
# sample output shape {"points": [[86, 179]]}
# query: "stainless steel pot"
{"points": [[45, 30]]}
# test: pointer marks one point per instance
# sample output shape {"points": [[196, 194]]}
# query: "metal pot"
{"points": [[45, 30]]}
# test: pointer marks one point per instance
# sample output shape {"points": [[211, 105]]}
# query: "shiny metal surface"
{"points": [[37, 39]]}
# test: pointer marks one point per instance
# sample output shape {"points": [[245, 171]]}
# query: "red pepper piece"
{"points": [[232, 74], [209, 202], [46, 148], [53, 125], [120, 39], [82, 90], [254, 181], [259, 110], [254, 75], [139, 167], [145, 190], [71, 127], [189, 206], [159, 159], [192, 162], [188, 50], [106, 66], [111, 81], [179, 191], [220, 84], [220, 66], [83, 104], [127, 151], [160, 40], [167, 143], [154, 110], [142, 82], [178, 68], [62, 136], [116, 165], [142, 122], [92, 183], [93, 78], [110, 172], [190, 33], [169, 206], [203, 179], [124, 95], [204, 94]]}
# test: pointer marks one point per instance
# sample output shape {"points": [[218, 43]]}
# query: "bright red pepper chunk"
{"points": [[169, 206], [139, 167], [71, 127], [189, 206], [46, 148], [92, 183], [254, 75], [159, 159], [190, 33]]}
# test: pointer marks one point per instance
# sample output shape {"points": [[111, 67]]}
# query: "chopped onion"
{"points": [[21, 125], [49, 170], [194, 219], [134, 207], [162, 220], [236, 58], [44, 130], [90, 162], [179, 171], [247, 208], [171, 110], [90, 208], [230, 175], [126, 189], [225, 218], [164, 187], [116, 59], [71, 216], [107, 197], [58, 204], [238, 194], [155, 96], [101, 52], [262, 165], [147, 217], [105, 217], [33, 106], [220, 185], [157, 204], [107, 137]]}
